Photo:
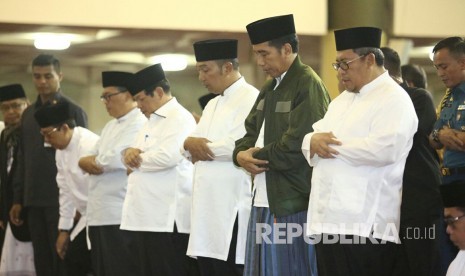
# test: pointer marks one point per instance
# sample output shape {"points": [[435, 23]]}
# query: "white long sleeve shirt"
{"points": [[107, 190], [73, 182], [221, 190], [359, 191], [457, 267], [159, 191]]}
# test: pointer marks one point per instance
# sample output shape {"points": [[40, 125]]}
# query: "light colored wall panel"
{"points": [[310, 15], [429, 18]]}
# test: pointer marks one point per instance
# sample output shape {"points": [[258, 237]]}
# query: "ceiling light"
{"points": [[170, 62], [50, 41]]}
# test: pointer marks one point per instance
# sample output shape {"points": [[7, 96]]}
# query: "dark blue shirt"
{"points": [[453, 116]]}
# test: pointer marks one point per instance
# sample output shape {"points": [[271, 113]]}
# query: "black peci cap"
{"points": [[146, 78], [215, 49], [270, 28], [52, 114], [11, 92], [453, 194], [359, 37], [116, 78]]}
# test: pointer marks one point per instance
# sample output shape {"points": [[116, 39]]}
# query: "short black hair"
{"points": [[46, 60], [379, 56], [391, 61], [415, 74], [279, 42], [455, 45], [164, 84], [234, 62]]}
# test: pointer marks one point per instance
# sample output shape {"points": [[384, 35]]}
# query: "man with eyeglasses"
{"points": [[17, 242], [36, 187], [453, 198], [358, 153], [70, 142], [287, 106], [112, 252]]}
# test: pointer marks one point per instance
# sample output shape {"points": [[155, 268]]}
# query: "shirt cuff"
{"points": [[306, 150], [65, 223]]}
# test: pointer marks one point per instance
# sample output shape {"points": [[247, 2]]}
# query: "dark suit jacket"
{"points": [[6, 200], [36, 184]]}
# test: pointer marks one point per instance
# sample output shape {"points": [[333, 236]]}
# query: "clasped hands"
{"points": [[132, 158], [251, 164], [320, 145], [452, 139], [198, 148]]}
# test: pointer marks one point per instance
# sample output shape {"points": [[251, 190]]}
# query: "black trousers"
{"points": [[113, 251], [43, 226], [372, 258], [77, 258], [164, 253], [213, 267], [418, 252]]}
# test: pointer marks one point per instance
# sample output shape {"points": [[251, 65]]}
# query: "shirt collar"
{"points": [[279, 79], [56, 97], [73, 142], [131, 113], [228, 91], [165, 109], [374, 83]]}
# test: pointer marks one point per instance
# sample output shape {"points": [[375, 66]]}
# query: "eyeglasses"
{"points": [[451, 221], [48, 133], [107, 97], [14, 106], [344, 65]]}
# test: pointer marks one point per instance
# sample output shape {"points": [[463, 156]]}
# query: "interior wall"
{"points": [[204, 15]]}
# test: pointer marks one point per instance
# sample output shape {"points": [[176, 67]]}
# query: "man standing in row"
{"points": [[17, 253], [36, 187], [421, 201], [157, 206], [283, 113], [449, 131], [222, 192], [358, 153], [112, 249], [70, 142]]}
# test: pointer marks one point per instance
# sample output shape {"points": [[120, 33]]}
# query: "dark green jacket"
{"points": [[299, 101]]}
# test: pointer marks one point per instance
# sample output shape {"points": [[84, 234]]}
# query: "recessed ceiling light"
{"points": [[50, 41], [170, 62]]}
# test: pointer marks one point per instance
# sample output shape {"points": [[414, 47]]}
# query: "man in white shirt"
{"points": [[453, 198], [222, 192], [112, 252], [157, 204], [358, 153], [71, 142]]}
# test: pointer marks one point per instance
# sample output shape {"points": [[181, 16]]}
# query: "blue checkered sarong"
{"points": [[272, 251]]}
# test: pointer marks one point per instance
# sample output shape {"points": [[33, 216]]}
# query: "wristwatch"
{"points": [[63, 230], [435, 135]]}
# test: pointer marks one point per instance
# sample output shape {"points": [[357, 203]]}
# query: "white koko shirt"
{"points": [[72, 181], [457, 267], [107, 190], [359, 191], [159, 191], [222, 190]]}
